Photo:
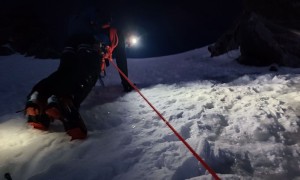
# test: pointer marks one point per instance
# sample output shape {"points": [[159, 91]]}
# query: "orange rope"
{"points": [[210, 170]]}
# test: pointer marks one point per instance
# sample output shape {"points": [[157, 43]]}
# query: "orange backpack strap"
{"points": [[113, 36], [114, 40]]}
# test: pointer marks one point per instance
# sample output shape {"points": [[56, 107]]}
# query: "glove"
{"points": [[126, 87]]}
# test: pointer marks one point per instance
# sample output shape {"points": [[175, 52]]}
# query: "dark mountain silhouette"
{"points": [[268, 32]]}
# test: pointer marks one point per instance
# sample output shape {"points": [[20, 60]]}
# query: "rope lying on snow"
{"points": [[210, 170]]}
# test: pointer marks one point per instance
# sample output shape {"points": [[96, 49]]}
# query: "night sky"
{"points": [[164, 27], [168, 28]]}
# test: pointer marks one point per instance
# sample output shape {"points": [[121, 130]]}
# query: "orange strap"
{"points": [[102, 65], [113, 37], [114, 40]]}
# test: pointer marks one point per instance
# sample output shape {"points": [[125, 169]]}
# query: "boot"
{"points": [[75, 126], [72, 120], [34, 113], [53, 109]]}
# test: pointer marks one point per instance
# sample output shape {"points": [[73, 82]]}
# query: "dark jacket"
{"points": [[79, 67]]}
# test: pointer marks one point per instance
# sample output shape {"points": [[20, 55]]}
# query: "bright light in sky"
{"points": [[132, 41]]}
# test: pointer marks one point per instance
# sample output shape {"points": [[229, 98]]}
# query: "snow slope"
{"points": [[243, 121]]}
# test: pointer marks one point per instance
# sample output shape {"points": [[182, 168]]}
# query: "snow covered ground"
{"points": [[243, 121]]}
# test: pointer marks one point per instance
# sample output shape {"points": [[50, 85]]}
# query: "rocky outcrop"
{"points": [[267, 32]]}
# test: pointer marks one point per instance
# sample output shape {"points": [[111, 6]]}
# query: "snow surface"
{"points": [[243, 121]]}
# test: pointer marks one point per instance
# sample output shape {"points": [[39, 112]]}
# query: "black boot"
{"points": [[72, 120], [34, 113], [53, 109]]}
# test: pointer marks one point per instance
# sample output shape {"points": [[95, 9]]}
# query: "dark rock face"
{"points": [[32, 28], [267, 32], [4, 51]]}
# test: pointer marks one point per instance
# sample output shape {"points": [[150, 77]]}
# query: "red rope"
{"points": [[210, 170]]}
